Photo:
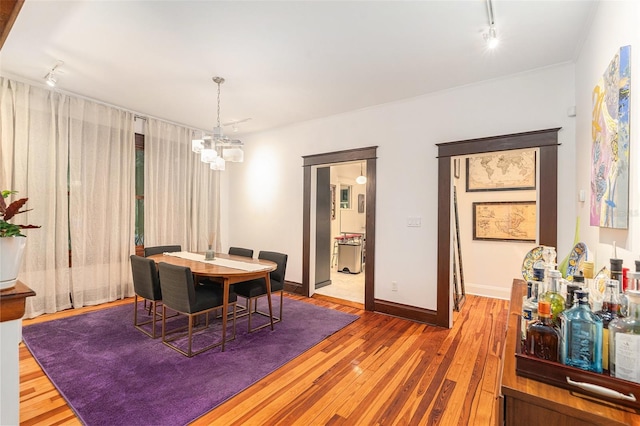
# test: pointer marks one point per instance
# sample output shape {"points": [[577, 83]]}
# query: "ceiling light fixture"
{"points": [[362, 179], [491, 36], [217, 149], [50, 78]]}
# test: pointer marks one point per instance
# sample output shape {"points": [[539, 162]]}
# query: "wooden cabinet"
{"points": [[12, 306], [528, 402]]}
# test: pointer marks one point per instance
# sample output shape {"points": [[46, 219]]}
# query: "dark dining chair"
{"points": [[239, 251], [181, 295], [254, 289], [146, 286], [150, 251]]}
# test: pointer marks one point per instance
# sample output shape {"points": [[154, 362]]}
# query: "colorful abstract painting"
{"points": [[610, 144]]}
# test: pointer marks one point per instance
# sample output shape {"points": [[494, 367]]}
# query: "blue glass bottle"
{"points": [[582, 335]]}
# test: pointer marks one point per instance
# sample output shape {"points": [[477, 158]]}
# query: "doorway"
{"points": [[310, 165], [547, 142], [340, 231]]}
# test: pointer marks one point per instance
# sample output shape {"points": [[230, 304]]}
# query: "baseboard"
{"points": [[323, 284], [338, 301], [493, 292], [426, 316], [291, 287]]}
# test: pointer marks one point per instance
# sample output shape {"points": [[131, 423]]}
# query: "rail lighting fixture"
{"points": [[491, 37], [50, 78], [217, 149]]}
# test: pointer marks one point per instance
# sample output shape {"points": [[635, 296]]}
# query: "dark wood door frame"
{"points": [[547, 142], [360, 154]]}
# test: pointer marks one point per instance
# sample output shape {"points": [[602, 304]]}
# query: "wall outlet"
{"points": [[394, 286]]}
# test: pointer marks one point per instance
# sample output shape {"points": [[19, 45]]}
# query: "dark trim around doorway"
{"points": [[367, 154], [547, 142]]}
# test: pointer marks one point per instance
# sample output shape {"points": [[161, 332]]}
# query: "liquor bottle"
{"points": [[582, 336], [616, 274], [634, 281], [530, 303], [569, 302], [527, 313], [624, 342], [553, 296], [578, 280], [610, 311], [543, 338]]}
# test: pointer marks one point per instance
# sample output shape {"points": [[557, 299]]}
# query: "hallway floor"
{"points": [[345, 286]]}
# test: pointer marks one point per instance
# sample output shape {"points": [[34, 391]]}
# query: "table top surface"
{"points": [[211, 270], [20, 290]]}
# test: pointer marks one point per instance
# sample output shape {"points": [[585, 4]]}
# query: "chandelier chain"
{"points": [[218, 104]]}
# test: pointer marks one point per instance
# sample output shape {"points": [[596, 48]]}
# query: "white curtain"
{"points": [[182, 194], [101, 202], [33, 161], [74, 160]]}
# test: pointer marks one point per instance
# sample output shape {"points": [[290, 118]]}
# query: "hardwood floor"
{"points": [[380, 370]]}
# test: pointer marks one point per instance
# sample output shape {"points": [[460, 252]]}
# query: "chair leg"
{"points": [[249, 300], [153, 305], [256, 311], [233, 334], [190, 334], [179, 333]]}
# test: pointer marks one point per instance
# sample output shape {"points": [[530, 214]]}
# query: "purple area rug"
{"points": [[112, 374]]}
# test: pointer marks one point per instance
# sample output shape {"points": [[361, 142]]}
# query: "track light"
{"points": [[50, 78], [491, 38]]}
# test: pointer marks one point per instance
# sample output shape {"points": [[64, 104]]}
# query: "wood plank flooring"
{"points": [[380, 370]]}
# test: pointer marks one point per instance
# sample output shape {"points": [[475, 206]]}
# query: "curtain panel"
{"points": [[182, 194], [74, 160], [33, 161], [101, 202]]}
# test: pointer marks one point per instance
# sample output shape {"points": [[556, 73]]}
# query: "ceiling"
{"points": [[284, 62]]}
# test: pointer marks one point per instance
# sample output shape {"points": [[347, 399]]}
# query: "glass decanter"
{"points": [[624, 342]]}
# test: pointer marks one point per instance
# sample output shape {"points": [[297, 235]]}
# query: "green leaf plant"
{"points": [[9, 211]]}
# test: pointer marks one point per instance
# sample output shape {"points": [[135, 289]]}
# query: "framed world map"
{"points": [[502, 171]]}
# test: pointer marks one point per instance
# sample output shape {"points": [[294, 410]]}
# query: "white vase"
{"points": [[11, 251]]}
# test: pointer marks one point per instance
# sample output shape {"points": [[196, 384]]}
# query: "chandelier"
{"points": [[217, 149]]}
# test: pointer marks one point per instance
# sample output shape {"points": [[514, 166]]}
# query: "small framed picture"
{"points": [[360, 203]]}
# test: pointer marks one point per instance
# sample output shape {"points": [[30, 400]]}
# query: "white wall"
{"points": [[615, 24], [505, 256], [266, 201]]}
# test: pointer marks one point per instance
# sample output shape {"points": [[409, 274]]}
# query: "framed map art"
{"points": [[505, 221], [502, 171]]}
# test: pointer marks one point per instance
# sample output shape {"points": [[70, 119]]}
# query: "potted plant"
{"points": [[12, 241]]}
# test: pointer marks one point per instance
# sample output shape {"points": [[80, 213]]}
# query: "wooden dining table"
{"points": [[225, 275]]}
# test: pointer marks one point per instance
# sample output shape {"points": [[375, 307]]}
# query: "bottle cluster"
{"points": [[559, 323]]}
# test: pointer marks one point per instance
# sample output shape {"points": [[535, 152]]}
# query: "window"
{"points": [[345, 196], [139, 231]]}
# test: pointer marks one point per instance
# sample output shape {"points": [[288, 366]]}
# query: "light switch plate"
{"points": [[414, 222]]}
